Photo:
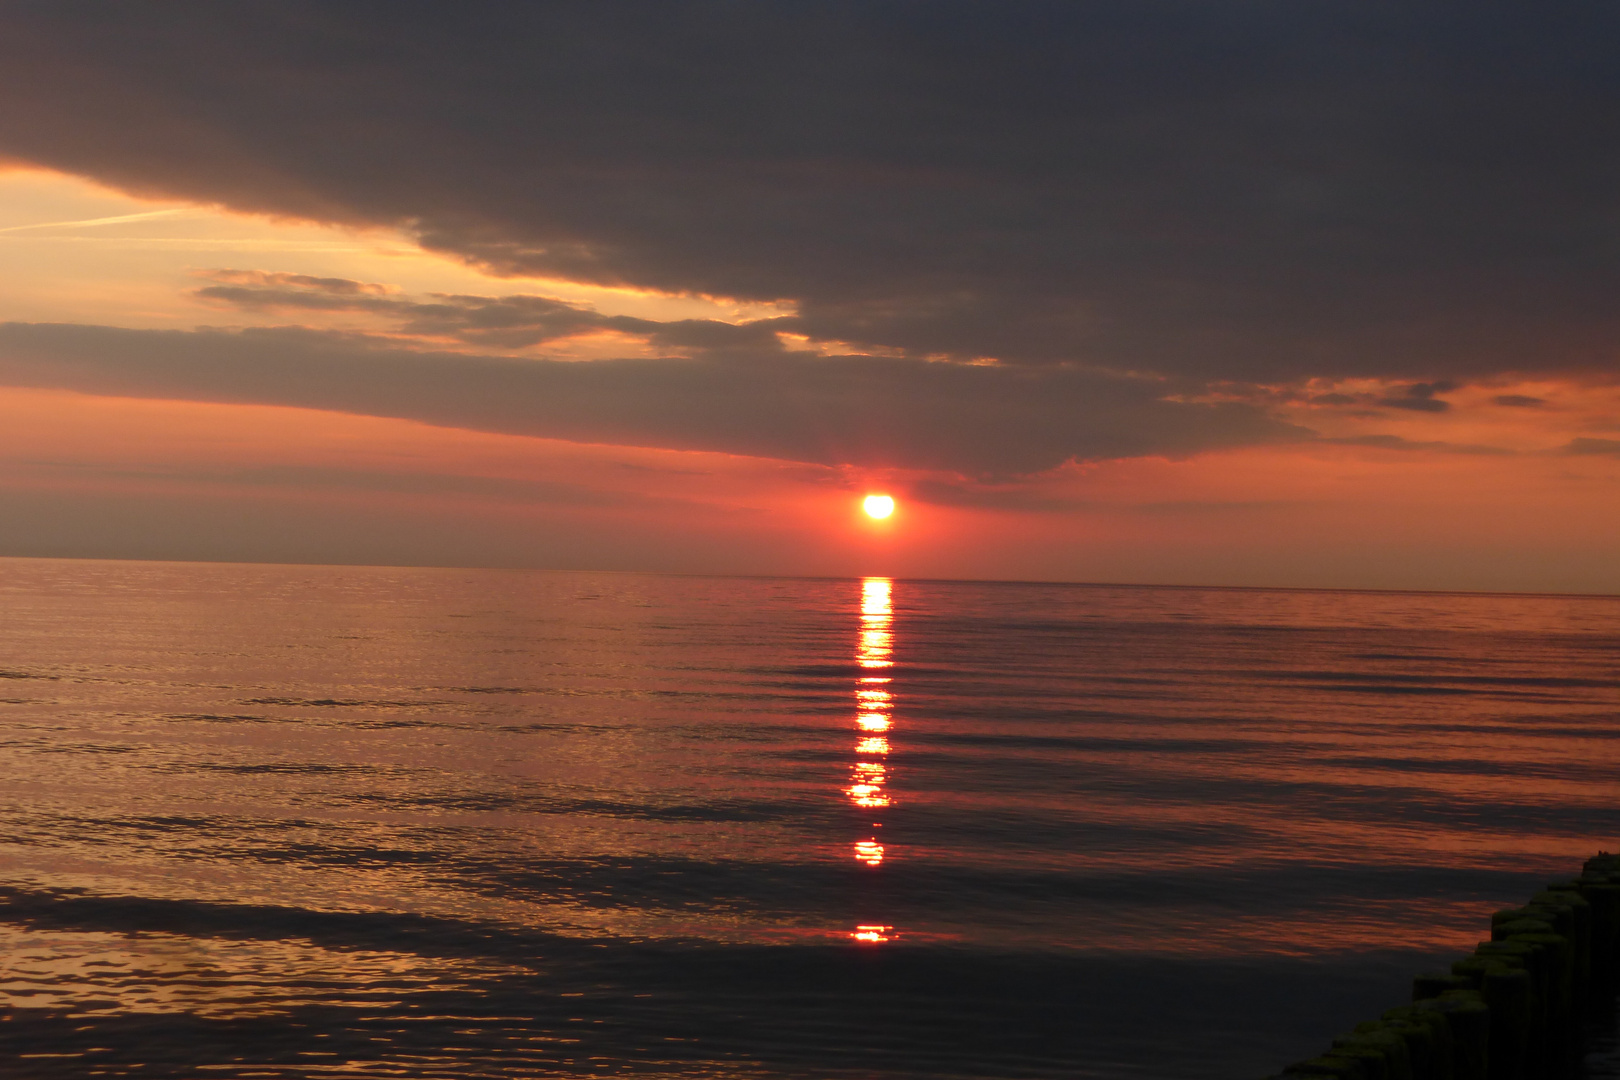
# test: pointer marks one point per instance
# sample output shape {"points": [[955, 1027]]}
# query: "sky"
{"points": [[1315, 294]]}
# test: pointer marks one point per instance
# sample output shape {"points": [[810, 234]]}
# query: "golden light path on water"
{"points": [[874, 715]]}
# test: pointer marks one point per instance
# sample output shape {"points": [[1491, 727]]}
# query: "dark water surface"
{"points": [[266, 821]]}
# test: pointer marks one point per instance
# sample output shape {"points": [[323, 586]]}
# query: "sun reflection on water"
{"points": [[874, 715]]}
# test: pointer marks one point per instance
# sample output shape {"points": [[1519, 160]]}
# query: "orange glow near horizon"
{"points": [[175, 474]]}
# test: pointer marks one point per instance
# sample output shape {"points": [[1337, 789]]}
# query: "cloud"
{"points": [[1017, 498], [1397, 442], [861, 410], [1518, 401], [1420, 397], [1264, 190], [507, 322], [1023, 499], [1593, 446], [272, 283], [527, 492]]}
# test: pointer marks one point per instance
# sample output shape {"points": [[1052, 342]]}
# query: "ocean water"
{"points": [[262, 821]]}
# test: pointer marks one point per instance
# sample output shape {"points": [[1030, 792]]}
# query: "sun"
{"points": [[878, 506]]}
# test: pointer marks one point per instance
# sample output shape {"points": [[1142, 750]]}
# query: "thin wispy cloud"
{"points": [[118, 219]]}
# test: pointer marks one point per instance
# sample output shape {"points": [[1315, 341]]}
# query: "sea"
{"points": [[298, 821]]}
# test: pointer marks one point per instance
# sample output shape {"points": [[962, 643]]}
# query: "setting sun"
{"points": [[878, 506]]}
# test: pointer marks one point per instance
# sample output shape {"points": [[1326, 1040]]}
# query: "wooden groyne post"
{"points": [[1515, 1009]]}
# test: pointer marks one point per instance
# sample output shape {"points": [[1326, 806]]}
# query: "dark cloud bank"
{"points": [[1237, 191], [830, 410]]}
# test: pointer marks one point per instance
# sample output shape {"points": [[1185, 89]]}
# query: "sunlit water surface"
{"points": [[296, 822]]}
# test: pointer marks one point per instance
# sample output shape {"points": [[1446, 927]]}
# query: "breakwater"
{"points": [[1517, 1008]]}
